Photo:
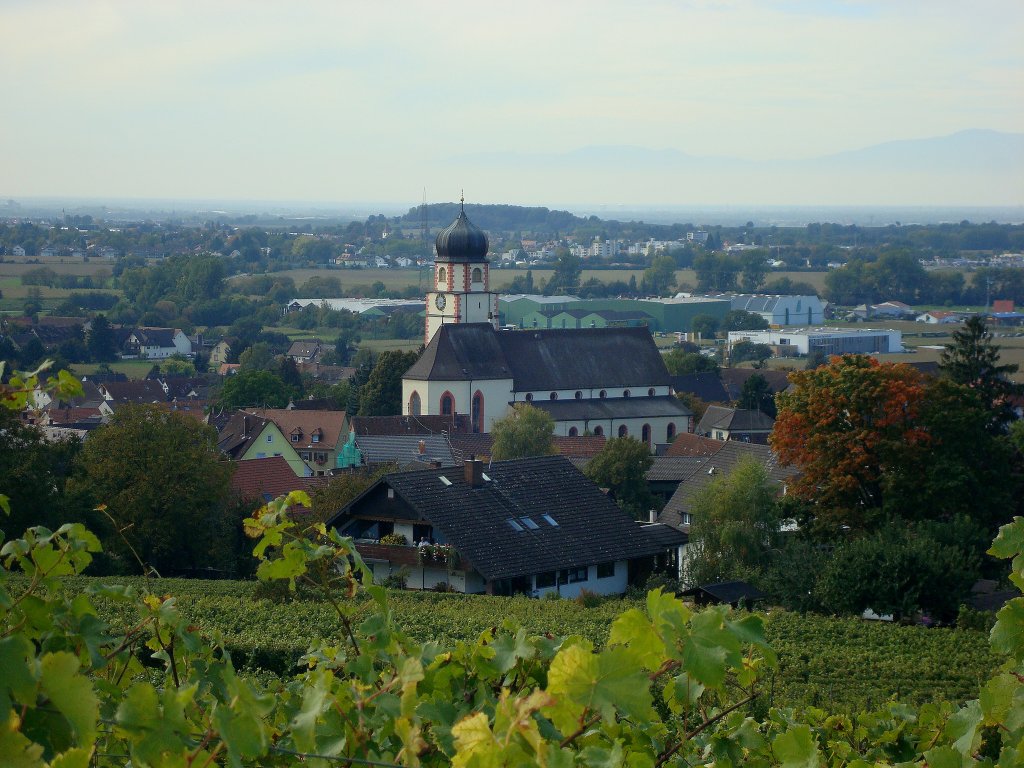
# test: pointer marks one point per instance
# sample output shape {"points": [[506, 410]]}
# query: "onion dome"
{"points": [[461, 241]]}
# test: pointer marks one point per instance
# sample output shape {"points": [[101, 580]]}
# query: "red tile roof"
{"points": [[265, 479]]}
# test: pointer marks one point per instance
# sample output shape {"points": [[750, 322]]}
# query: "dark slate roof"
{"points": [[155, 337], [614, 408], [734, 420], [673, 468], [707, 386], [140, 391], [462, 351], [591, 528], [235, 437], [544, 358], [727, 592]]}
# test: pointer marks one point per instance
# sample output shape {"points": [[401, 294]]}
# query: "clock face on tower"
{"points": [[440, 301]]}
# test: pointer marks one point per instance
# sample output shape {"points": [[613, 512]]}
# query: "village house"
{"points": [[245, 436], [530, 526], [318, 436], [156, 343], [750, 426]]}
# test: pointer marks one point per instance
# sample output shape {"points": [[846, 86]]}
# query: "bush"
{"points": [[587, 599], [973, 619], [398, 579], [394, 540]]}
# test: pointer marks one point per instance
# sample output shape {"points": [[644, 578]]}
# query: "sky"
{"points": [[379, 101]]}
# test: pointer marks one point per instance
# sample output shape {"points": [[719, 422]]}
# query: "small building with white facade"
{"points": [[828, 341]]}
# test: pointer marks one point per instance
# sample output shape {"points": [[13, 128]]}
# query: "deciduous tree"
{"points": [[164, 484], [735, 525], [526, 431], [621, 467], [254, 388], [854, 429]]}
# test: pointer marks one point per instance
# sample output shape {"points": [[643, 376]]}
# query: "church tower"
{"points": [[459, 291]]}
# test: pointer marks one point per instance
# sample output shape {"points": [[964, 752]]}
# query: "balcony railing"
{"points": [[406, 555]]}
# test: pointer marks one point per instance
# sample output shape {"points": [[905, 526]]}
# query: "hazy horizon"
{"points": [[584, 103]]}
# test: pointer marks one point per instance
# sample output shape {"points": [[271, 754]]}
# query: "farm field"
{"points": [[841, 664]]}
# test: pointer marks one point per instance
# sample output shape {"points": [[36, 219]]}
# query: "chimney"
{"points": [[652, 515], [423, 447], [474, 472]]}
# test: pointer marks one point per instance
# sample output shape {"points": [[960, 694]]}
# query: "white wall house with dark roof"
{"points": [[529, 526]]}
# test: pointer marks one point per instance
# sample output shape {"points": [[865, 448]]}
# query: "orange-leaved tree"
{"points": [[854, 428]]}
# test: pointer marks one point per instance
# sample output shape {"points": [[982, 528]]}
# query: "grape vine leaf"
{"points": [[796, 748]]}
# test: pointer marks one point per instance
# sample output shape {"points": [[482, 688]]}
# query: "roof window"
{"points": [[550, 521], [514, 525], [529, 523]]}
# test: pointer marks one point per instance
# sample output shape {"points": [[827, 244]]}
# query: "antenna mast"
{"points": [[424, 227]]}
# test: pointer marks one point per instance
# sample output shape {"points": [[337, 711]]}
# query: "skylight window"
{"points": [[529, 523], [445, 481], [514, 525], [550, 520]]}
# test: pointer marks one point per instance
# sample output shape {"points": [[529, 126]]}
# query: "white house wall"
{"points": [[611, 585], [497, 394]]}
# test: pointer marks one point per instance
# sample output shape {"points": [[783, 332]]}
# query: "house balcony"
{"points": [[404, 555]]}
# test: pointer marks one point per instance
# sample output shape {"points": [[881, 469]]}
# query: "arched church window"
{"points": [[447, 404], [623, 431], [573, 432], [478, 412], [670, 432], [645, 434], [599, 431], [414, 404], [478, 275], [442, 275]]}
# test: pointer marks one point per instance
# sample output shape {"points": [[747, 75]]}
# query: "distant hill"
{"points": [[972, 167]]}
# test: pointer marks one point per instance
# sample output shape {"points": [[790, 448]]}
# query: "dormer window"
{"points": [[317, 435]]}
